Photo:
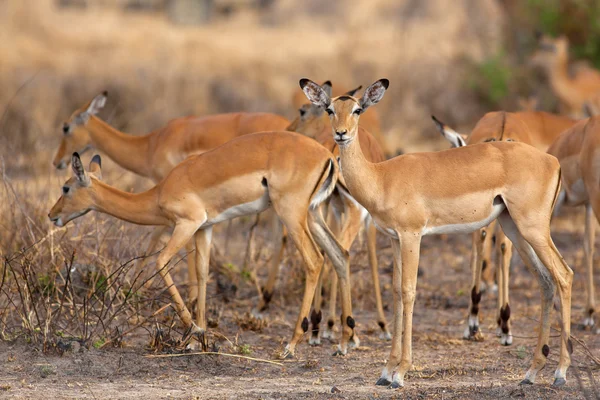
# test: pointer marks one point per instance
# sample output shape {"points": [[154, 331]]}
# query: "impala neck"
{"points": [[138, 208], [560, 80], [130, 152], [359, 174]]}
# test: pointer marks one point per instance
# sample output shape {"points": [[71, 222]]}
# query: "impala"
{"points": [[317, 118], [346, 215], [154, 155], [573, 88], [578, 151], [244, 176], [453, 191], [535, 128]]}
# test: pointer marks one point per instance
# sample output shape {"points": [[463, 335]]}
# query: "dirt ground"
{"points": [[445, 366]]}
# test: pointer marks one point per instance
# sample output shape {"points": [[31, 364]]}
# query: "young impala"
{"points": [[345, 215], [578, 151], [538, 129], [453, 191], [154, 155], [285, 170]]}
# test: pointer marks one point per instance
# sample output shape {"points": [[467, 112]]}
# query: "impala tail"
{"points": [[326, 184]]}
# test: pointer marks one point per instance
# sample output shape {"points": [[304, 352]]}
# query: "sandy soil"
{"points": [[445, 366]]}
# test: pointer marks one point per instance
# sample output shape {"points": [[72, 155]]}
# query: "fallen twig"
{"points": [[213, 353]]}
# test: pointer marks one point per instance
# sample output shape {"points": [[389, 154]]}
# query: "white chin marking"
{"points": [[59, 223]]}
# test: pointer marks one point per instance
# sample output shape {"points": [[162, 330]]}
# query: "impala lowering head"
{"points": [[75, 136], [550, 51], [344, 111], [77, 192]]}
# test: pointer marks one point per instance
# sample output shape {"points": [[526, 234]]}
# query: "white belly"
{"points": [[240, 210], [468, 227]]}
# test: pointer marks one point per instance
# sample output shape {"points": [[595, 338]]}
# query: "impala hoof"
{"points": [[385, 336], [314, 341], [396, 385], [339, 352], [558, 382], [286, 354], [382, 382], [526, 382]]}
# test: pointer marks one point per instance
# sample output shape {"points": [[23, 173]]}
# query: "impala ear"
{"points": [[315, 93], [455, 138], [96, 166], [97, 104], [82, 177], [327, 87], [353, 91], [374, 93]]}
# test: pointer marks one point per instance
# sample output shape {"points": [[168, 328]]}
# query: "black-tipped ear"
{"points": [[96, 166], [353, 91], [96, 159], [438, 124], [79, 171], [97, 104], [315, 93], [327, 87], [374, 93]]}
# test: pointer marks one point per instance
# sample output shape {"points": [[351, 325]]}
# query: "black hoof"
{"points": [[395, 385], [338, 353], [382, 382], [526, 382], [558, 382]]}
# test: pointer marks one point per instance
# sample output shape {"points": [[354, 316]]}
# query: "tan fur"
{"points": [[578, 150], [204, 187], [572, 89], [417, 194], [538, 129], [319, 128], [155, 154]]}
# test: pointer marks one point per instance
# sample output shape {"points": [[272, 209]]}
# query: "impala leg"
{"points": [[333, 221], [487, 268], [472, 331], [504, 252], [279, 242], [372, 250], [192, 275], [313, 260], [316, 314], [588, 246], [337, 253], [351, 224], [544, 274], [202, 238], [410, 244], [182, 234], [151, 249], [387, 374]]}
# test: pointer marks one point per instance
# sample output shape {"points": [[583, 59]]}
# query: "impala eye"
{"points": [[66, 189], [329, 111], [66, 128], [302, 112], [489, 140], [358, 111], [510, 140]]}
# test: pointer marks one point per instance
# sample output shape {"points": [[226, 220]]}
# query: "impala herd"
{"points": [[514, 168]]}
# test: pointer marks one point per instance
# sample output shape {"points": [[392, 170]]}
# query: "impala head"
{"points": [[550, 51], [77, 192], [344, 111], [530, 103], [75, 136]]}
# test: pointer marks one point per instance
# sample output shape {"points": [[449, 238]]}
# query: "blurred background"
{"points": [[162, 59]]}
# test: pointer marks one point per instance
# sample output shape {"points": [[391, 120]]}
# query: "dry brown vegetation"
{"points": [[75, 292]]}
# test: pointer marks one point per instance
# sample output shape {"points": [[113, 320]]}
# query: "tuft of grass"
{"points": [[245, 349], [46, 371]]}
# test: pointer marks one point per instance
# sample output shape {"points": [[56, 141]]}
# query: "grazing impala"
{"points": [[154, 155], [538, 129], [453, 191], [578, 151], [346, 215], [573, 88], [244, 176]]}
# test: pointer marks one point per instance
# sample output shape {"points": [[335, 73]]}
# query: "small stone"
{"points": [[334, 389]]}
